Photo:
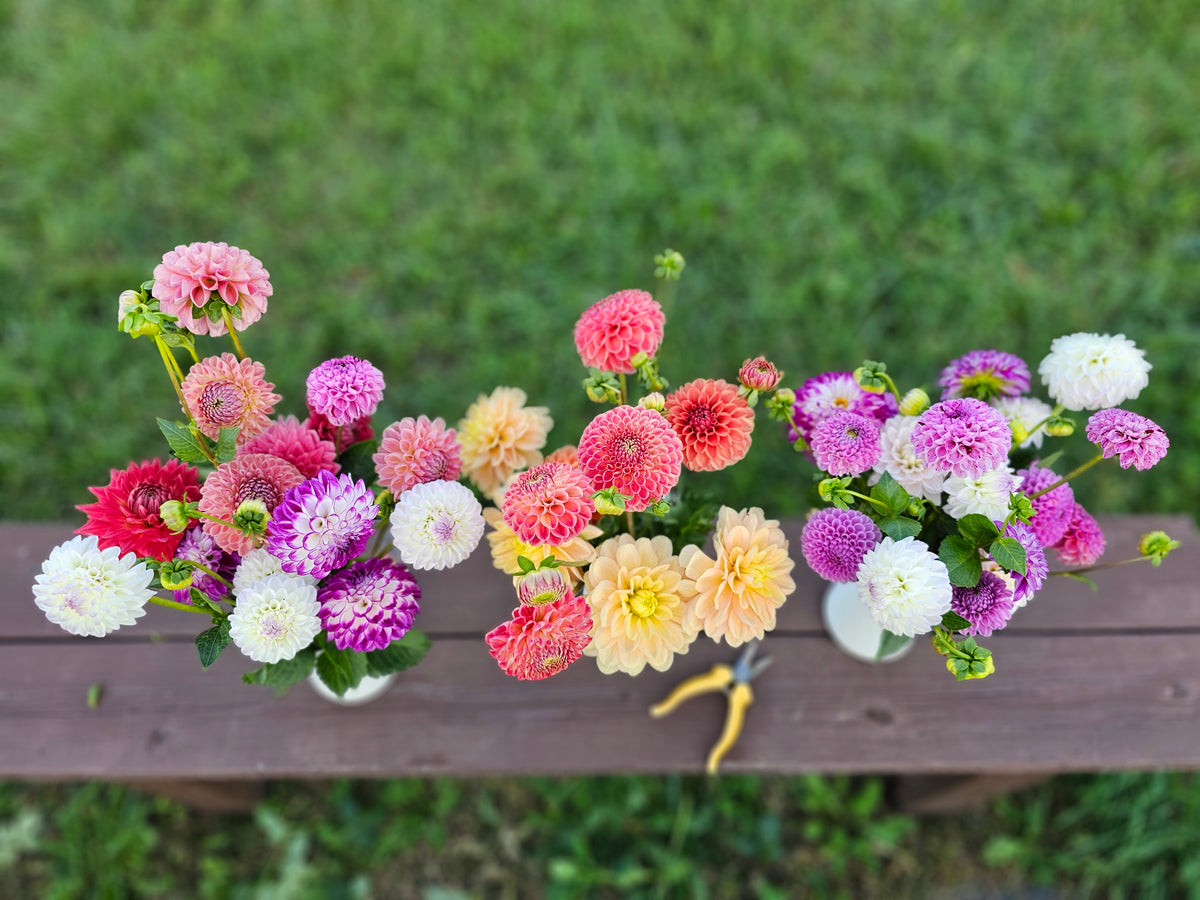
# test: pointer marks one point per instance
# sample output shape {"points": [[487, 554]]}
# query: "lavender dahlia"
{"points": [[823, 395], [368, 604], [988, 606], [985, 374], [846, 443], [1036, 566], [1134, 439], [834, 542], [199, 546], [964, 437], [1052, 511], [344, 390], [321, 524]]}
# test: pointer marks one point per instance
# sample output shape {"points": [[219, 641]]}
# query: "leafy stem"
{"points": [[1076, 471]]}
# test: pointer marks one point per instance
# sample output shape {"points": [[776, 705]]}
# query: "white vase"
{"points": [[850, 625], [372, 687]]}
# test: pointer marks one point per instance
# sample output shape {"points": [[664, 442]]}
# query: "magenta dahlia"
{"points": [[845, 443], [834, 542], [1134, 439], [988, 606], [321, 524], [368, 604], [1053, 510], [964, 437], [344, 389], [985, 375]]}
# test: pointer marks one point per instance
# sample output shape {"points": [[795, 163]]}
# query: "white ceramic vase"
{"points": [[372, 687], [851, 627]]}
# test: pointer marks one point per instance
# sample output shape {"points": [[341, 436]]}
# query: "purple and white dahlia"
{"points": [[823, 395], [985, 375], [368, 604], [198, 546], [321, 524]]}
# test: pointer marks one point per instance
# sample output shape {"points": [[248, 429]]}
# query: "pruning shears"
{"points": [[734, 681]]}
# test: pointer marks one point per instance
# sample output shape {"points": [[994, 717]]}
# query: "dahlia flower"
{"points": [[225, 392], [368, 604], [549, 504], [125, 513], [905, 586], [275, 618], [295, 442], [988, 606], [984, 375], [834, 542], [198, 546], [257, 565], [1134, 439], [964, 437], [738, 593], [344, 390], [321, 524], [414, 451], [567, 453], [1082, 542], [191, 276], [1052, 511], [540, 641], [542, 586], [506, 548], [897, 457], [1094, 371], [1036, 566], [248, 476], [632, 450], [612, 331], [987, 495], [822, 395], [1024, 414], [713, 422], [92, 591], [341, 435], [500, 435], [759, 374], [436, 525], [845, 443]]}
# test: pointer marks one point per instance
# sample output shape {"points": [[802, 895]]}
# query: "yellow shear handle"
{"points": [[715, 679], [740, 696]]}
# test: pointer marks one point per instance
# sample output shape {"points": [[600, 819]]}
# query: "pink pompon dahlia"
{"points": [[1052, 511], [549, 504], [567, 453], [634, 451], [195, 283], [341, 435], [713, 421], [985, 375], [295, 442], [198, 546], [1134, 439], [1083, 541], [414, 451], [540, 641], [823, 395], [368, 604], [834, 542], [846, 443], [225, 392], [964, 437], [988, 606], [248, 476], [321, 524], [125, 514], [345, 389], [612, 331]]}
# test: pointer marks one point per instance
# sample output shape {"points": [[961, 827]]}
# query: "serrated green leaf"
{"points": [[398, 655], [185, 445], [283, 674], [888, 491], [356, 461], [962, 561], [1009, 553], [889, 643], [900, 527], [341, 669], [226, 445], [978, 529], [212, 641], [954, 622]]}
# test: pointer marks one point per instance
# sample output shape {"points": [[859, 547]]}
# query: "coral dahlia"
{"points": [[225, 392], [248, 476], [195, 282], [549, 504], [713, 421], [612, 331], [540, 641], [414, 451]]}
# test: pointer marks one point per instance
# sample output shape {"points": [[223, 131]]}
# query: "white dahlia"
{"points": [[275, 618], [90, 591], [1024, 414], [1094, 371], [436, 525], [897, 458], [257, 565], [986, 495], [905, 586]]}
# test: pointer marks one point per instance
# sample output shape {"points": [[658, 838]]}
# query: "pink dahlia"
{"points": [[414, 451], [988, 606], [368, 604], [125, 514], [759, 374], [195, 283], [713, 421], [341, 435], [634, 451], [1083, 541], [248, 476], [198, 546], [845, 443], [964, 437], [300, 445], [1134, 439], [543, 586], [321, 524], [548, 504], [1053, 510], [344, 389], [834, 542], [614, 330], [823, 395], [985, 375], [540, 641], [568, 453], [225, 392]]}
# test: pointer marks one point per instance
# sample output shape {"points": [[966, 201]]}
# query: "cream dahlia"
{"points": [[500, 435]]}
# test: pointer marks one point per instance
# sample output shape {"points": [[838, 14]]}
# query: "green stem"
{"points": [[1087, 465], [892, 385], [1098, 568], [199, 515], [185, 607], [629, 523], [207, 571], [624, 392], [174, 374], [237, 345], [878, 503], [379, 548], [1034, 430]]}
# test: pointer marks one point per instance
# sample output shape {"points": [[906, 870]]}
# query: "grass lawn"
{"points": [[442, 187]]}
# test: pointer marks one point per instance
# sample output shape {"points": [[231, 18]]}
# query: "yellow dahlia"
{"points": [[500, 435], [640, 597], [506, 547], [739, 591]]}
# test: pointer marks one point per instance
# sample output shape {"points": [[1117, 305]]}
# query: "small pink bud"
{"points": [[759, 374]]}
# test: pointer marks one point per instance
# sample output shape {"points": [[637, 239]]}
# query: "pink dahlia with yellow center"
{"points": [[248, 476], [125, 514], [612, 331], [738, 593], [640, 599], [197, 282], [414, 451], [713, 421], [291, 440], [507, 548], [540, 641], [634, 451], [225, 392], [549, 504], [500, 435]]}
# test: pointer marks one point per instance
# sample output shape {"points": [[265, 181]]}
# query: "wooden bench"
{"points": [[1085, 681]]}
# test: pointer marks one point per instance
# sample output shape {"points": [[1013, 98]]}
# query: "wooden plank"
{"points": [[1076, 703], [474, 597]]}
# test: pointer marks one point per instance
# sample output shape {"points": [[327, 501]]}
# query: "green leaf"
{"points": [[525, 564], [398, 655], [226, 444], [184, 444], [282, 675], [211, 642], [962, 561], [1009, 553], [889, 492], [889, 643], [203, 601], [900, 527], [978, 529], [356, 461], [341, 669], [954, 622]]}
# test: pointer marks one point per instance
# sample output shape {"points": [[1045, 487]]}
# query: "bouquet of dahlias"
{"points": [[265, 524], [943, 514], [601, 539]]}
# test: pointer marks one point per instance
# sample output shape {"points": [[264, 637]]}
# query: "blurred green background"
{"points": [[442, 187]]}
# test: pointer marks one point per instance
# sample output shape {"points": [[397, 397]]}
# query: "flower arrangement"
{"points": [[265, 524], [943, 513], [601, 537]]}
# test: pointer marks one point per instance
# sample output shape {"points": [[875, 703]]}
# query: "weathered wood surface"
{"points": [[1085, 681]]}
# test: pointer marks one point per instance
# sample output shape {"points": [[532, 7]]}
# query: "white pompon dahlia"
{"points": [[90, 591], [986, 495], [1094, 371], [275, 618], [905, 586], [898, 458], [436, 525]]}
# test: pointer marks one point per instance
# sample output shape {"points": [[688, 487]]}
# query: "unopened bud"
{"points": [[969, 671], [639, 359], [869, 376], [174, 515], [654, 401], [759, 374], [175, 575], [252, 517], [609, 502], [1020, 434], [1156, 545], [780, 405], [659, 508], [1059, 426], [669, 265], [914, 403], [127, 303]]}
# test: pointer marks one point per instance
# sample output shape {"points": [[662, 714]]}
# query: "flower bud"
{"points": [[654, 401], [1156, 545], [659, 508], [252, 517], [1020, 434], [914, 403], [609, 502], [174, 515], [639, 359], [965, 671], [127, 303], [669, 265], [869, 376], [175, 575], [542, 586], [759, 374], [1059, 426]]}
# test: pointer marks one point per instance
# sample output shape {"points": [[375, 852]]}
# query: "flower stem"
{"points": [[174, 373], [629, 518], [1054, 412], [1101, 567], [1083, 468], [878, 503], [209, 572], [624, 396], [237, 345], [185, 607]]}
